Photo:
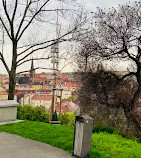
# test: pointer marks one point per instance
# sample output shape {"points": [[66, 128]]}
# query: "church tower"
{"points": [[32, 72]]}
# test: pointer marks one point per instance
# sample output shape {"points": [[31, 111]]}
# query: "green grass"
{"points": [[104, 145], [114, 146]]}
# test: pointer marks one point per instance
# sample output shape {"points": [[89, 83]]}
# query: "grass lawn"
{"points": [[103, 145]]}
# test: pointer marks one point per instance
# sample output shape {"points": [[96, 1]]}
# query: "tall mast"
{"points": [[55, 62], [55, 52]]}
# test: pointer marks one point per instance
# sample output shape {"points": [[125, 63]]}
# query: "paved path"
{"points": [[14, 146]]}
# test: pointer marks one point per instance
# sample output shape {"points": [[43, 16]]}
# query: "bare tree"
{"points": [[85, 56], [118, 34], [18, 17]]}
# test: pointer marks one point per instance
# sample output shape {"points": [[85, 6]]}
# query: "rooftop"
{"points": [[42, 97]]}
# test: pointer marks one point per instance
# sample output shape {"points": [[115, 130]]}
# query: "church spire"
{"points": [[32, 65], [32, 72]]}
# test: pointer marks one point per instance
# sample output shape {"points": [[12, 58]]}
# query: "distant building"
{"points": [[42, 100], [63, 109], [66, 94], [0, 80], [45, 91], [6, 85], [27, 98], [22, 79], [71, 105], [37, 86], [72, 86], [3, 95]]}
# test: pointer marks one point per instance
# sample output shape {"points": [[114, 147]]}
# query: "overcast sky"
{"points": [[91, 5]]}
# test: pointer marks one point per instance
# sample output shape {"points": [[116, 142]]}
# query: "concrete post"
{"points": [[82, 136]]}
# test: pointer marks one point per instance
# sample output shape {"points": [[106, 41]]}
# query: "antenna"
{"points": [[55, 62], [55, 51]]}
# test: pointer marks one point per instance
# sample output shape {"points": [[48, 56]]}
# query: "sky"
{"points": [[91, 6]]}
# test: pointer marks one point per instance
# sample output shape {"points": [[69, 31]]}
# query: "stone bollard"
{"points": [[82, 136], [8, 110]]}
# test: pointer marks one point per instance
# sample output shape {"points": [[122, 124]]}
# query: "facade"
{"points": [[3, 95], [42, 100], [6, 85], [63, 109], [37, 86], [23, 87], [22, 79], [0, 80], [66, 94], [27, 99], [70, 105]]}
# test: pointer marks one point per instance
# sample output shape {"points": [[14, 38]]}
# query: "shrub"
{"points": [[71, 98], [27, 112], [68, 118], [98, 128]]}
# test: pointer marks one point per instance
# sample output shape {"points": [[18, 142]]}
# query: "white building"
{"points": [[42, 100], [66, 94], [27, 99]]}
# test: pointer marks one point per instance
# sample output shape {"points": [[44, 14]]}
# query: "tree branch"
{"points": [[127, 75], [35, 69], [37, 12], [4, 63], [35, 51], [111, 27], [15, 9], [127, 52], [5, 28], [5, 9], [34, 45], [8, 17], [55, 41], [33, 59], [139, 53], [24, 15]]}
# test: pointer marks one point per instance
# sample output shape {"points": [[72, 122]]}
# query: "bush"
{"points": [[27, 112], [68, 118], [98, 128]]}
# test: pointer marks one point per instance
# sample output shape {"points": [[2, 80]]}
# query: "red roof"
{"points": [[42, 97], [6, 82], [40, 79], [3, 93], [64, 101], [63, 109], [24, 91], [57, 81], [6, 79], [47, 91], [71, 84]]}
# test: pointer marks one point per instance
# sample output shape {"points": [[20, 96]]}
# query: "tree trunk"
{"points": [[11, 86], [132, 120], [12, 73]]}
